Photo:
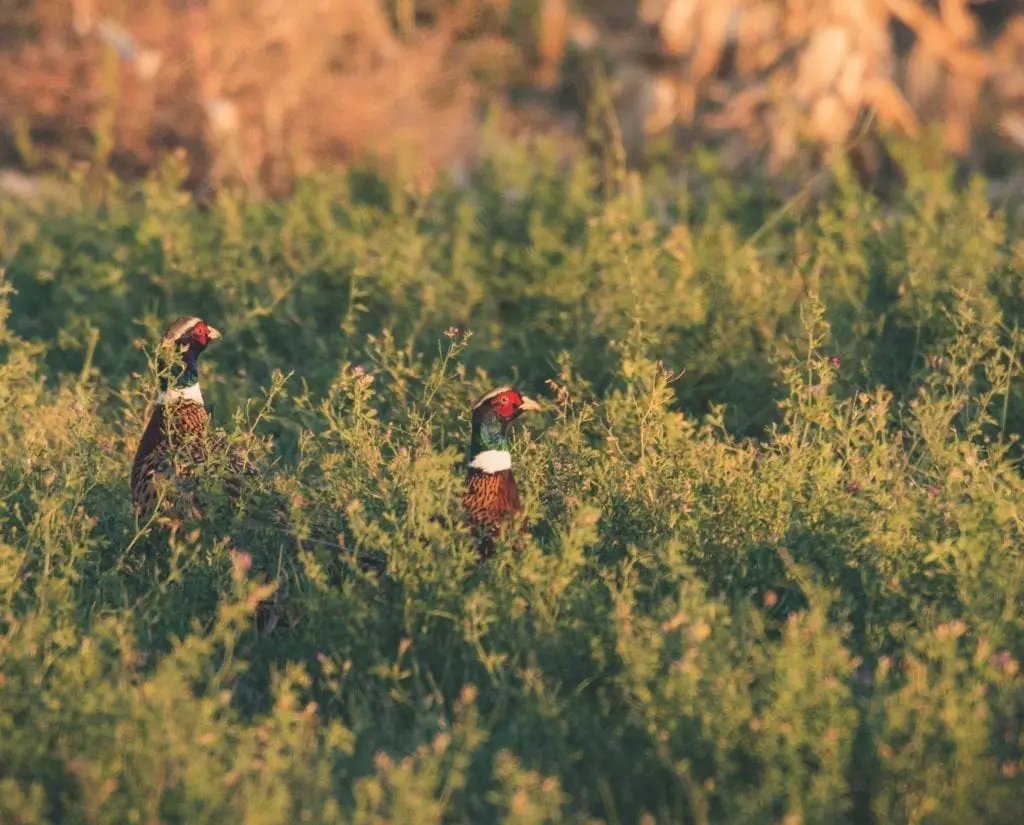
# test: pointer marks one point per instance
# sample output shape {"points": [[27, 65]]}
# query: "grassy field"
{"points": [[775, 572]]}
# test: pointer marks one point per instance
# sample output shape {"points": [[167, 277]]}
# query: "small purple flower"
{"points": [[853, 487], [1005, 661], [241, 561], [835, 361], [933, 491], [452, 332], [862, 675]]}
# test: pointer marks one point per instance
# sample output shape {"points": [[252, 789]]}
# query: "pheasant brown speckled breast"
{"points": [[491, 499], [153, 460]]}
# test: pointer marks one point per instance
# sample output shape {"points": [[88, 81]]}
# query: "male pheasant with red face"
{"points": [[491, 500], [177, 441]]}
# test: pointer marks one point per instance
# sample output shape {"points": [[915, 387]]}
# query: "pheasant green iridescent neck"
{"points": [[184, 373], [489, 433]]}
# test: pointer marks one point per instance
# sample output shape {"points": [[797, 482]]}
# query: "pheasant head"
{"points": [[493, 413], [178, 360]]}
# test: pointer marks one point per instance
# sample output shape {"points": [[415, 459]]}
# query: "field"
{"points": [[775, 569]]}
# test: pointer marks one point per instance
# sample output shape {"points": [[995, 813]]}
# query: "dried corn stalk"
{"points": [[806, 70], [552, 27], [935, 87], [801, 70], [1008, 80]]}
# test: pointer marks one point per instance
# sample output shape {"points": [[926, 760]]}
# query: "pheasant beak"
{"points": [[529, 405], [213, 334]]}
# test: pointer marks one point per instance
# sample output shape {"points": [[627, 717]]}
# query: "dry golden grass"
{"points": [[782, 73], [262, 91], [256, 91]]}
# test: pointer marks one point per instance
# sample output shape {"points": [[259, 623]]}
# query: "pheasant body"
{"points": [[177, 442], [492, 503]]}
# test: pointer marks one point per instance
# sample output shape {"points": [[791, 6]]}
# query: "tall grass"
{"points": [[775, 571]]}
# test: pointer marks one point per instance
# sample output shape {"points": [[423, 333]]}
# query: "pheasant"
{"points": [[177, 438], [491, 501]]}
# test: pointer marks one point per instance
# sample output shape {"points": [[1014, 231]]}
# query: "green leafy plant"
{"points": [[774, 570]]}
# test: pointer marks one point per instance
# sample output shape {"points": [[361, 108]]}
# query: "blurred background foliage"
{"points": [[262, 92]]}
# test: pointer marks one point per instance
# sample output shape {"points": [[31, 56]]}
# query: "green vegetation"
{"points": [[784, 586]]}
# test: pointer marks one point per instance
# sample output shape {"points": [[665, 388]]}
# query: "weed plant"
{"points": [[775, 570]]}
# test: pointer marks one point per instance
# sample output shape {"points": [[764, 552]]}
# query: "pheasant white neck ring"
{"points": [[191, 393], [492, 461]]}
